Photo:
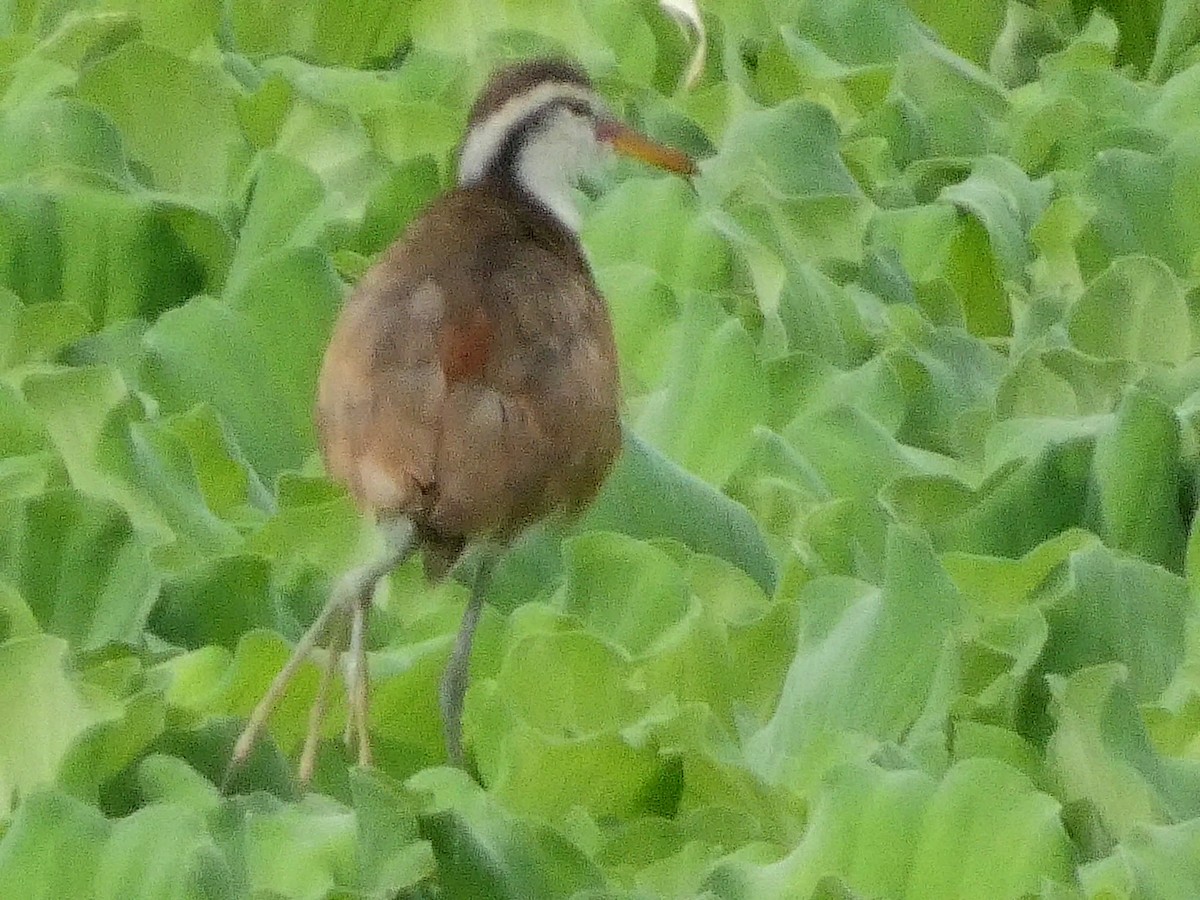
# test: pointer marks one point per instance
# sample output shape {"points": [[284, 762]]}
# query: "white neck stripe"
{"points": [[485, 139]]}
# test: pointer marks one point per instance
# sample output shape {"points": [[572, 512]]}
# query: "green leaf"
{"points": [[162, 851], [851, 451], [216, 603], [791, 149], [1137, 477], [154, 255], [1163, 859], [822, 318], [166, 779], [627, 591], [1114, 608], [1129, 189], [393, 857], [182, 28], [586, 667], [45, 712], [904, 834], [265, 356], [714, 395], [1004, 584], [1031, 389], [645, 316], [842, 688], [542, 772], [646, 496], [177, 117], [52, 848], [1133, 310], [97, 427], [859, 32], [1022, 503], [62, 132], [950, 379], [1035, 837], [304, 849], [231, 488], [95, 764], [970, 33], [285, 210], [1006, 203], [346, 34], [483, 851], [80, 566], [782, 179], [1100, 755], [961, 103], [1173, 111], [34, 333], [331, 142], [658, 223]]}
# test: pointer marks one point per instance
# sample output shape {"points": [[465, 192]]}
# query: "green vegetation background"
{"points": [[893, 594]]}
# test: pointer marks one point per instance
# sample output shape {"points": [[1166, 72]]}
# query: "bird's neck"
{"points": [[543, 179], [535, 220], [533, 170]]}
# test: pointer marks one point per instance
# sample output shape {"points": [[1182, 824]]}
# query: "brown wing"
{"points": [[539, 428], [381, 389], [471, 380]]}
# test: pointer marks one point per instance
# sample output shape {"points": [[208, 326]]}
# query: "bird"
{"points": [[470, 387]]}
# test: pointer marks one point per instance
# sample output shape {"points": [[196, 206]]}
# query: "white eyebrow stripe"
{"points": [[486, 138]]}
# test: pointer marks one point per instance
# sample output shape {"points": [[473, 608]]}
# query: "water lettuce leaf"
{"points": [[892, 592]]}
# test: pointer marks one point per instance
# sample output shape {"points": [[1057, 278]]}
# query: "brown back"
{"points": [[471, 381]]}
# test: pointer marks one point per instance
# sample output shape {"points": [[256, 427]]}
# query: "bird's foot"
{"points": [[350, 601], [357, 733]]}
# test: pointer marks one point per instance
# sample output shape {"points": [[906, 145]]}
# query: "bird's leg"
{"points": [[454, 680], [351, 596]]}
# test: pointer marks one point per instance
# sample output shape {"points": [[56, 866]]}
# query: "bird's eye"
{"points": [[579, 108]]}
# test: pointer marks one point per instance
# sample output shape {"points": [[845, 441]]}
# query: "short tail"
{"points": [[442, 551]]}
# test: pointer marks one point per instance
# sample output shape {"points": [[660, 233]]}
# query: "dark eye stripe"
{"points": [[507, 153], [578, 107]]}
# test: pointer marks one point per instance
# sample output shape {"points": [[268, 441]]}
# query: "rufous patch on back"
{"points": [[465, 347]]}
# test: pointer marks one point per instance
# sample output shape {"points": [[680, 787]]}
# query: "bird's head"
{"points": [[539, 126]]}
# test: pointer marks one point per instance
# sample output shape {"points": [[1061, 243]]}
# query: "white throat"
{"points": [[549, 161], [543, 171]]}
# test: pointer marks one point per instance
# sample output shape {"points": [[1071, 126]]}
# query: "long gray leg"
{"points": [[353, 592], [454, 680]]}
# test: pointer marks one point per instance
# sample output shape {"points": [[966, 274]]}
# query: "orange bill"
{"points": [[631, 143]]}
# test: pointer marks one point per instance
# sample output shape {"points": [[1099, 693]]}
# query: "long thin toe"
{"points": [[358, 685], [316, 717], [352, 594], [261, 713]]}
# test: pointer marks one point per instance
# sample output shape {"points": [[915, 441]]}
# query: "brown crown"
{"points": [[518, 78]]}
